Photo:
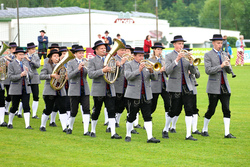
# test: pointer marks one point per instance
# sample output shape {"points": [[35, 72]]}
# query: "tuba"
{"points": [[3, 66], [57, 84], [187, 56], [156, 66], [110, 61]]}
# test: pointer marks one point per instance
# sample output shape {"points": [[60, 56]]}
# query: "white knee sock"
{"points": [[53, 116], [7, 106], [44, 120], [11, 116], [118, 117], [86, 118], [112, 125], [71, 122], [68, 116], [20, 108], [34, 108], [26, 119], [63, 120], [194, 122], [168, 121], [81, 112], [188, 120], [129, 128], [93, 125], [136, 121], [148, 127], [106, 115], [227, 125], [205, 127], [2, 114], [165, 127], [174, 121]]}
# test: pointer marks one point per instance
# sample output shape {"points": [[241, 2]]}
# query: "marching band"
{"points": [[121, 79]]}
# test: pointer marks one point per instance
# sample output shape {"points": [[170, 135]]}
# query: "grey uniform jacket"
{"points": [[74, 76], [95, 73], [7, 80], [16, 81], [193, 79], [213, 69], [45, 75], [34, 64], [174, 72], [157, 85], [134, 79], [120, 81]]}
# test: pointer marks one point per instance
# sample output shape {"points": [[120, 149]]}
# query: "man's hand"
{"points": [[124, 59], [56, 76], [178, 58], [162, 69], [118, 63], [106, 69], [142, 65]]}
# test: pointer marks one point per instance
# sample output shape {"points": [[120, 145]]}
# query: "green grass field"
{"points": [[21, 147]]}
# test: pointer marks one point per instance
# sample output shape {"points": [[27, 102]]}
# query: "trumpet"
{"points": [[188, 57], [229, 64], [85, 62], [129, 56], [148, 64]]}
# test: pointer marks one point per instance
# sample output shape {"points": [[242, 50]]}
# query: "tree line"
{"points": [[235, 15]]}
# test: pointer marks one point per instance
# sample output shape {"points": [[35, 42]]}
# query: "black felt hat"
{"points": [[129, 47], [31, 45], [79, 48], [63, 49], [12, 44], [158, 45], [186, 47], [53, 51], [139, 50], [217, 37], [19, 50], [54, 45], [178, 38], [98, 43]]}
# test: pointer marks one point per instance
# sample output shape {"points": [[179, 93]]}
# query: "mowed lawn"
{"points": [[22, 147]]}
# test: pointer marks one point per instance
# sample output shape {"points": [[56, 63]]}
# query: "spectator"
{"points": [[42, 44], [119, 37], [147, 45], [230, 52], [224, 45], [108, 40], [240, 44]]}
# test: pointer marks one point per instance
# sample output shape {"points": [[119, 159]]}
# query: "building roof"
{"points": [[25, 12]]}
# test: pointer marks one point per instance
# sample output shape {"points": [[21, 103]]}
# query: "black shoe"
{"points": [[29, 127], [19, 116], [116, 136], [230, 136], [35, 117], [6, 113], [205, 134], [42, 129], [53, 124], [153, 140], [165, 135], [134, 131], [172, 130], [65, 130], [10, 126], [196, 132], [191, 138], [87, 134], [137, 126], [69, 131], [117, 125], [106, 124], [108, 130], [128, 139], [92, 134], [4, 124]]}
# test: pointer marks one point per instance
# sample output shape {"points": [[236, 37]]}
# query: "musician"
{"points": [[129, 49], [19, 73], [179, 86], [52, 97], [9, 58], [73, 48], [34, 63], [101, 91], [2, 104], [139, 93], [216, 66], [43, 44], [159, 86], [78, 90], [108, 40]]}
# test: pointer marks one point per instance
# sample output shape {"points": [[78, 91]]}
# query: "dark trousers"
{"points": [[213, 101], [120, 103], [44, 51], [50, 101], [2, 101], [74, 104], [35, 91], [177, 100], [165, 96], [109, 103], [8, 97], [134, 105], [195, 109], [67, 104], [16, 100]]}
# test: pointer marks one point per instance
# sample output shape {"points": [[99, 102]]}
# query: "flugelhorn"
{"points": [[188, 56], [3, 66], [110, 61], [129, 56], [148, 64]]}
